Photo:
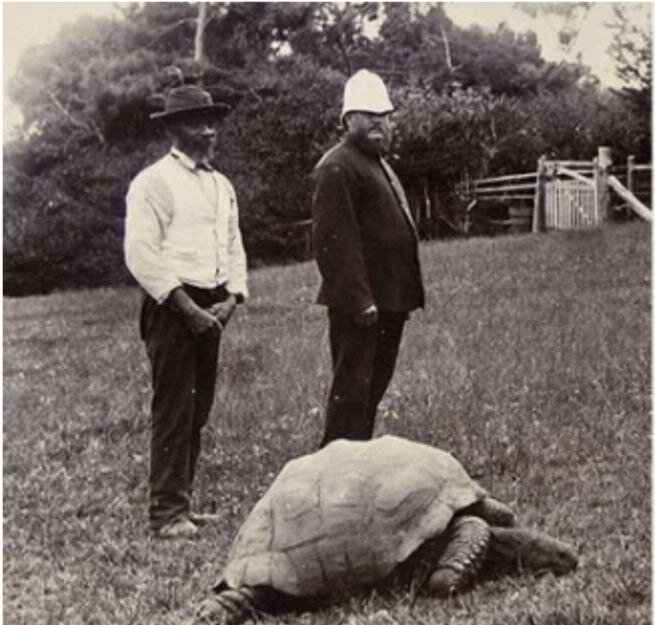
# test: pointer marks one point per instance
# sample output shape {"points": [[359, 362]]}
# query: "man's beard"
{"points": [[380, 144], [199, 150], [383, 146]]}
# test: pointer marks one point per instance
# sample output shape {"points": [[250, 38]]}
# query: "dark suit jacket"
{"points": [[365, 244]]}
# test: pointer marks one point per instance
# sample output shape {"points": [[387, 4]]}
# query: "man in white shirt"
{"points": [[183, 245]]}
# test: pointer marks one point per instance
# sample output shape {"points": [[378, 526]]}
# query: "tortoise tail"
{"points": [[468, 540]]}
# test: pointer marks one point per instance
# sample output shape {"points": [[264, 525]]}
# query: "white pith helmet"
{"points": [[365, 91]]}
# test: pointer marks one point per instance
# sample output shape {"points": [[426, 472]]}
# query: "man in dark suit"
{"points": [[366, 248]]}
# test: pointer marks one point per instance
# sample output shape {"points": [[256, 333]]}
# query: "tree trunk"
{"points": [[199, 42]]}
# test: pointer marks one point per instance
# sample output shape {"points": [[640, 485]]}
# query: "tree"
{"points": [[421, 46], [571, 14], [274, 144], [334, 34], [632, 50]]}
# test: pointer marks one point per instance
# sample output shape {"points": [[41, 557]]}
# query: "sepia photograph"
{"points": [[327, 313]]}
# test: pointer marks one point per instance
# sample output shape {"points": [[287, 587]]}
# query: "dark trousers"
{"points": [[363, 361], [183, 380]]}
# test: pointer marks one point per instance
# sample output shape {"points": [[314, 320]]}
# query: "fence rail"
{"points": [[505, 188], [575, 175], [505, 198], [573, 163], [530, 174], [641, 209]]}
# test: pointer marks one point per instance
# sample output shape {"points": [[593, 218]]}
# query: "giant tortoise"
{"points": [[353, 514]]}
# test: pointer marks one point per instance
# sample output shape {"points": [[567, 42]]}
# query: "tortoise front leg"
{"points": [[467, 542]]}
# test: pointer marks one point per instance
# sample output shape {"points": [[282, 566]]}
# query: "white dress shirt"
{"points": [[182, 226]]}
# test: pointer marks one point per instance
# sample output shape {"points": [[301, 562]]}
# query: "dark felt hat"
{"points": [[190, 102]]}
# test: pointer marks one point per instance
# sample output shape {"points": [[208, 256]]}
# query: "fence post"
{"points": [[602, 165], [630, 169], [428, 209], [539, 213]]}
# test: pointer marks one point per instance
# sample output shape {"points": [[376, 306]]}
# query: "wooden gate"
{"points": [[570, 205]]}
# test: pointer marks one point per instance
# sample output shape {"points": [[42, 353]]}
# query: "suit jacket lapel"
{"points": [[399, 192]]}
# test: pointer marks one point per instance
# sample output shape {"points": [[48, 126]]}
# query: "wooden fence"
{"points": [[514, 193], [638, 181], [561, 194]]}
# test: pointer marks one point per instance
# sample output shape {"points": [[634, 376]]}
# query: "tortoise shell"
{"points": [[347, 515]]}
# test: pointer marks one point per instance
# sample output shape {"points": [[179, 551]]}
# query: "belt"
{"points": [[206, 297]]}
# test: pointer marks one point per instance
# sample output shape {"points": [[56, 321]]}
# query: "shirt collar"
{"points": [[188, 162]]}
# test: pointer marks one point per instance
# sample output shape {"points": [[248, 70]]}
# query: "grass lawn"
{"points": [[531, 363]]}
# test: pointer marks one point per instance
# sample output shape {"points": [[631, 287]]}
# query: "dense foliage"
{"points": [[471, 102]]}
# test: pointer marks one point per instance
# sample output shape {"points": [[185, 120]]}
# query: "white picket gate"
{"points": [[570, 205]]}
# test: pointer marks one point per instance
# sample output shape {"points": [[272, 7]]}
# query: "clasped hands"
{"points": [[212, 319], [200, 320]]}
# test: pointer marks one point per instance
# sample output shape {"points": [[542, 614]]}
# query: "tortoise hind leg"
{"points": [[231, 606], [228, 606], [466, 548]]}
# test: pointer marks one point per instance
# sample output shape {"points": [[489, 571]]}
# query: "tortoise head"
{"points": [[533, 550]]}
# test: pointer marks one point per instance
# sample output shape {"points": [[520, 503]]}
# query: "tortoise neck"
{"points": [[522, 548]]}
